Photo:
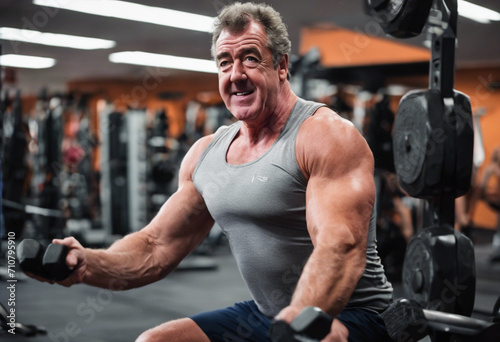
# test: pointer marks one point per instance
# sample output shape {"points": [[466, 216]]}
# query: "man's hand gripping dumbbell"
{"points": [[310, 325], [44, 264]]}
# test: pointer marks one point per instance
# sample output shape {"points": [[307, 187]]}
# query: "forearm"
{"points": [[329, 278], [153, 252], [128, 263]]}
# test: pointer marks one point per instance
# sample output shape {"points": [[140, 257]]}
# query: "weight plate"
{"points": [[418, 271], [400, 18], [386, 11], [439, 271], [410, 137]]}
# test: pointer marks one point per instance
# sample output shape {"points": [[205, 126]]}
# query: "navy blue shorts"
{"points": [[244, 322]]}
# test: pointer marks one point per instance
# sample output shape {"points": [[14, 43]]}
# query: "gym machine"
{"points": [[162, 167], [123, 171], [15, 171], [433, 154]]}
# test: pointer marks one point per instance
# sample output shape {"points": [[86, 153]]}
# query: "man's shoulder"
{"points": [[327, 139], [326, 124]]}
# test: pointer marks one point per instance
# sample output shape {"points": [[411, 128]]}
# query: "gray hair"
{"points": [[236, 18]]}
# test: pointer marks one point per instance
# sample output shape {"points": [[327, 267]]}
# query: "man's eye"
{"points": [[223, 63], [251, 61]]}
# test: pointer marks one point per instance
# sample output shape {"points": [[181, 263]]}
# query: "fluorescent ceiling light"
{"points": [[163, 61], [477, 13], [55, 39], [136, 12], [30, 62]]}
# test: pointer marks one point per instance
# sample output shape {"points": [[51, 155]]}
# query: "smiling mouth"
{"points": [[243, 93]]}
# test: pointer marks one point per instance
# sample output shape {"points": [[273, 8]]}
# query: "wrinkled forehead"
{"points": [[253, 33]]}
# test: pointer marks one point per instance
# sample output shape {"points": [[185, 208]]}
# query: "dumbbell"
{"points": [[311, 324], [48, 263]]}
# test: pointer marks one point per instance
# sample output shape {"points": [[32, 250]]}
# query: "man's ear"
{"points": [[283, 68]]}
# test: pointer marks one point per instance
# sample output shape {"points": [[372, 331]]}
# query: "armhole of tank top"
{"points": [[316, 107], [217, 135]]}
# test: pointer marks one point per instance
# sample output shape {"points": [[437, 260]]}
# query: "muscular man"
{"points": [[291, 185]]}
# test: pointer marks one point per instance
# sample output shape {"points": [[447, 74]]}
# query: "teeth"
{"points": [[243, 93]]}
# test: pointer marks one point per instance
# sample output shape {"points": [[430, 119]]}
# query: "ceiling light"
{"points": [[163, 61], [477, 13], [54, 39], [136, 12], [30, 62]]}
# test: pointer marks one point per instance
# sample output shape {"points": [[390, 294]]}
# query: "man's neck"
{"points": [[270, 129]]}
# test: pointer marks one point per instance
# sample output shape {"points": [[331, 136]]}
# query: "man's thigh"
{"points": [[244, 322], [364, 325], [238, 323], [179, 330]]}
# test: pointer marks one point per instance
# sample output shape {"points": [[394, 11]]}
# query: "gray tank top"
{"points": [[260, 206]]}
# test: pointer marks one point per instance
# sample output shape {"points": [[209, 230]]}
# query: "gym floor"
{"points": [[83, 313]]}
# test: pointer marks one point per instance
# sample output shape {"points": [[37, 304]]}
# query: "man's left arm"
{"points": [[339, 200]]}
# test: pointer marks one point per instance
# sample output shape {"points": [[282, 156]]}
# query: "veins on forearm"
{"points": [[129, 264]]}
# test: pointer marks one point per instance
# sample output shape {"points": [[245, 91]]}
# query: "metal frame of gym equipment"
{"points": [[433, 145]]}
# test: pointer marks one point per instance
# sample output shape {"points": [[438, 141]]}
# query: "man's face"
{"points": [[248, 82]]}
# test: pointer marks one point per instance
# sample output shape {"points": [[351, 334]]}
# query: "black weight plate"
{"points": [[386, 11], [401, 18], [439, 270], [418, 266], [411, 136]]}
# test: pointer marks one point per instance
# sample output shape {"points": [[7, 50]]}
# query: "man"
{"points": [[291, 185]]}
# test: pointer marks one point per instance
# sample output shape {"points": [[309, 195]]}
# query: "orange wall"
{"points": [[144, 94], [341, 47]]}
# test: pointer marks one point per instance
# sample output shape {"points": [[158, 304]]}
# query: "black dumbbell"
{"points": [[48, 263], [30, 256], [311, 324]]}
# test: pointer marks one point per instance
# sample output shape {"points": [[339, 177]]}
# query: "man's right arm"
{"points": [[150, 254]]}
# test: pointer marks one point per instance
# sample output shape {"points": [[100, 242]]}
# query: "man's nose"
{"points": [[238, 72]]}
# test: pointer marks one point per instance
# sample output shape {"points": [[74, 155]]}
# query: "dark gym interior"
{"points": [[91, 147]]}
